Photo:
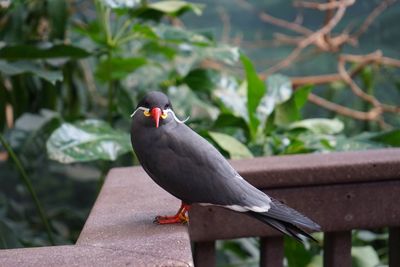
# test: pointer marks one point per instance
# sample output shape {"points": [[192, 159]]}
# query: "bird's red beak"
{"points": [[156, 114]]}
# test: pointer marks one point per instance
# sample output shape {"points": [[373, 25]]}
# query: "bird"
{"points": [[190, 168]]}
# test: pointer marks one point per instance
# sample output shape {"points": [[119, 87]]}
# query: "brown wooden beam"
{"points": [[271, 251], [337, 249], [394, 246], [204, 254]]}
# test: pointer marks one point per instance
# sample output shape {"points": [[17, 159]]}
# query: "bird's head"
{"points": [[155, 106]]}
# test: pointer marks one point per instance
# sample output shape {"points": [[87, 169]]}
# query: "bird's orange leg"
{"points": [[179, 217]]}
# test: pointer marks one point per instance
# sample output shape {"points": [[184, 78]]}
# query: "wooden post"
{"points": [[337, 249]]}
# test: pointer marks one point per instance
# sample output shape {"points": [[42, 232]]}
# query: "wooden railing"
{"points": [[340, 191]]}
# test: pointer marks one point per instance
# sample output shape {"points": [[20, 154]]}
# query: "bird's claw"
{"points": [[178, 218]]}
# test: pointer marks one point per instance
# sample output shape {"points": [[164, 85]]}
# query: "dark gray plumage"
{"points": [[191, 169]]}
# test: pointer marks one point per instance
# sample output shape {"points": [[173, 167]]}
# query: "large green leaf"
{"points": [[255, 91], [391, 138], [175, 34], [290, 111], [301, 95], [117, 68], [365, 256], [122, 3], [15, 68], [224, 53], [231, 145], [175, 7], [319, 126], [86, 141], [232, 96], [22, 52], [29, 135], [279, 91], [344, 143], [225, 120], [286, 113], [186, 103], [202, 79]]}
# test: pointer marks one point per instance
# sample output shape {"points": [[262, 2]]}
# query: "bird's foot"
{"points": [[180, 217]]}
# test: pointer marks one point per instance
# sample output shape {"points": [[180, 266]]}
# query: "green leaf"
{"points": [[141, 80], [286, 113], [120, 4], [279, 90], [31, 132], [201, 79], [301, 95], [20, 67], [344, 143], [391, 138], [226, 54], [87, 141], [229, 120], [175, 34], [144, 31], [232, 96], [290, 111], [319, 126], [186, 102], [118, 68], [255, 91], [235, 149], [175, 7], [57, 11], [124, 100], [365, 256], [316, 261], [295, 253], [23, 52]]}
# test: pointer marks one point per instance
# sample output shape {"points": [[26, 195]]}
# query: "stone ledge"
{"points": [[119, 230]]}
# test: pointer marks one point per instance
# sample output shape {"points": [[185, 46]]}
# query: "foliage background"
{"points": [[72, 72]]}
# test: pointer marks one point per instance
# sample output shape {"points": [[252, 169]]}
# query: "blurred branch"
{"points": [[226, 24], [323, 6], [378, 108], [284, 24], [293, 26], [316, 37], [326, 41], [372, 16], [342, 110], [323, 38]]}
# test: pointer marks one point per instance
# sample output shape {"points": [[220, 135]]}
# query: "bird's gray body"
{"points": [[190, 168]]}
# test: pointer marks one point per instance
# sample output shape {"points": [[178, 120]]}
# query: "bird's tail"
{"points": [[287, 220]]}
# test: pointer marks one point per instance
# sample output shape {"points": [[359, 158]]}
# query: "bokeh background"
{"points": [[248, 74]]}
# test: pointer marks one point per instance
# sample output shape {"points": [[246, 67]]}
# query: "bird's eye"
{"points": [[167, 106]]}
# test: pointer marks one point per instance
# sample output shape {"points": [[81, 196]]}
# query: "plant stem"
{"points": [[29, 186], [110, 101], [110, 89]]}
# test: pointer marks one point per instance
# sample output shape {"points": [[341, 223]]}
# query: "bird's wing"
{"points": [[189, 167]]}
